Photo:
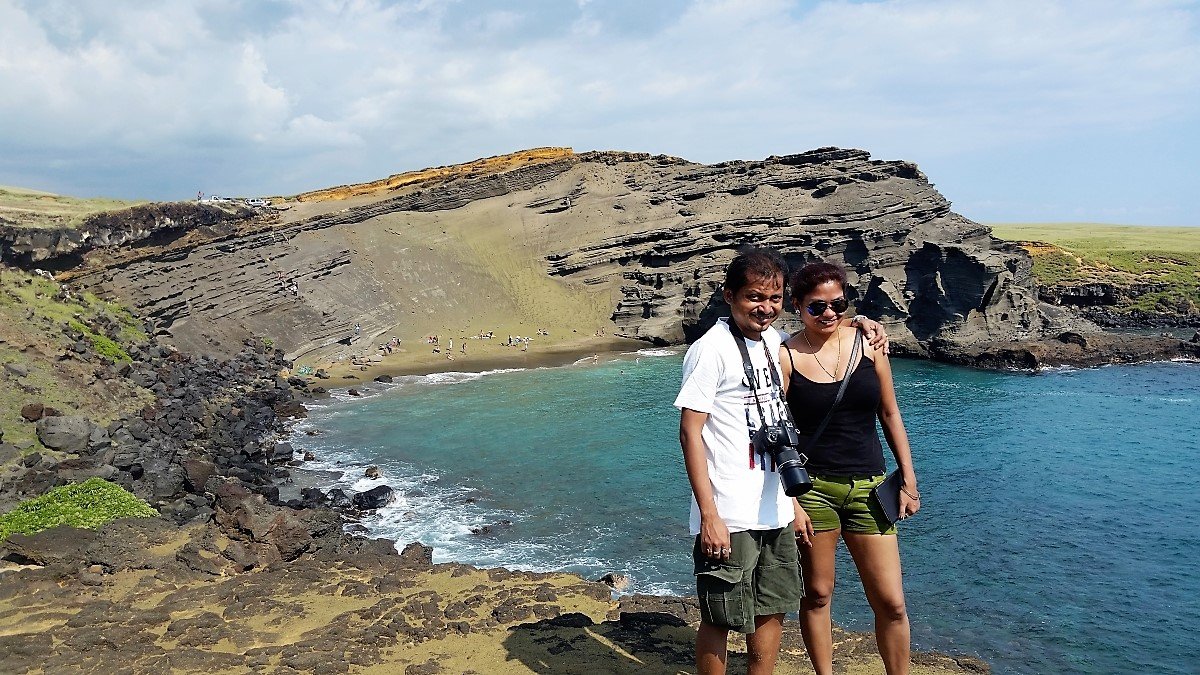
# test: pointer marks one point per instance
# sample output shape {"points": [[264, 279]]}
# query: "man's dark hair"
{"points": [[752, 265], [814, 274]]}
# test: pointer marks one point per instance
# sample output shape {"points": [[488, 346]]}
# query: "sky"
{"points": [[1017, 110]]}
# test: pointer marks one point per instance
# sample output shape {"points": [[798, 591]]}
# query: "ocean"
{"points": [[1059, 519]]}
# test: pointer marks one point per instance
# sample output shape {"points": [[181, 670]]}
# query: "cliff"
{"points": [[606, 242]]}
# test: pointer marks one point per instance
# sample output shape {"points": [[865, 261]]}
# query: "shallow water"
{"points": [[1056, 535]]}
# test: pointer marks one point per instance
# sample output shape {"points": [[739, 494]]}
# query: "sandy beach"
{"points": [[481, 355]]}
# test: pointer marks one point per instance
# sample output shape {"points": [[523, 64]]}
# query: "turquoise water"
{"points": [[1058, 533]]}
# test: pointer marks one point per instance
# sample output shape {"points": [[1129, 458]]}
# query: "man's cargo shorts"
{"points": [[761, 577]]}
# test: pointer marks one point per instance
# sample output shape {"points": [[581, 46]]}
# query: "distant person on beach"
{"points": [[845, 464], [744, 553]]}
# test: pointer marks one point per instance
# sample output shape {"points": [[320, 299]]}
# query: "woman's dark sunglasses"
{"points": [[818, 307]]}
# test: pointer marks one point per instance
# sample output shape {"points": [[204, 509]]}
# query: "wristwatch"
{"points": [[858, 318]]}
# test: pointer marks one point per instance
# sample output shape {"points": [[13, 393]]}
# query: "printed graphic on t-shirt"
{"points": [[770, 399]]}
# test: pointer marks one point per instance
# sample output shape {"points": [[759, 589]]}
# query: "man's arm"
{"points": [[873, 330], [714, 535]]}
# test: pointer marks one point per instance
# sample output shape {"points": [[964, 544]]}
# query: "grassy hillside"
{"points": [[32, 208], [36, 318], [1069, 254]]}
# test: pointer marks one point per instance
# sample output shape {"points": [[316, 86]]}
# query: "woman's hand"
{"points": [[910, 502], [802, 524], [714, 538]]}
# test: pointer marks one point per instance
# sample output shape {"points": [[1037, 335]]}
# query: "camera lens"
{"points": [[795, 479]]}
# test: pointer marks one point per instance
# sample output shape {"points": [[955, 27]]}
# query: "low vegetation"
{"points": [[31, 208], [1160, 264], [89, 504]]}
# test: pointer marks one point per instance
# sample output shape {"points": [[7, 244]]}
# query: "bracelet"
{"points": [[916, 497], [858, 318]]}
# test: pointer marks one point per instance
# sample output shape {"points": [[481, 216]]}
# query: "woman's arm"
{"points": [[897, 437]]}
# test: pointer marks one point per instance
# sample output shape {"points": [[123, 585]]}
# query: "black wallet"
{"points": [[887, 495]]}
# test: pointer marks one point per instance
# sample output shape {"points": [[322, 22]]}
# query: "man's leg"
{"points": [[712, 649], [763, 644]]}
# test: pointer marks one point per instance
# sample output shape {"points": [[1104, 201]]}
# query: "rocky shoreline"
{"points": [[233, 578]]}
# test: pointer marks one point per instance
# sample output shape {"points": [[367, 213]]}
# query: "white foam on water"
{"points": [[655, 352]]}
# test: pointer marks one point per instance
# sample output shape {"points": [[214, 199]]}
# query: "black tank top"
{"points": [[849, 446]]}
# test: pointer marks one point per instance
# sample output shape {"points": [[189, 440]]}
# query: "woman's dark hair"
{"points": [[753, 264], [814, 274]]}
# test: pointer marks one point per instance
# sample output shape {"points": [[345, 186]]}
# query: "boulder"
{"points": [[417, 556], [372, 472], [338, 498], [197, 472], [79, 469], [353, 392], [615, 581], [16, 369], [282, 452], [69, 433], [33, 412], [376, 497], [383, 378]]}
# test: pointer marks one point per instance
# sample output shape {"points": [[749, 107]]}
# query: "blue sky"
{"points": [[1017, 110]]}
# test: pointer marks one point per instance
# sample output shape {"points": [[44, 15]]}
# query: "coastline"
{"points": [[479, 359]]}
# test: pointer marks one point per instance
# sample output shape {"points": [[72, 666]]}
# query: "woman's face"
{"points": [[822, 300]]}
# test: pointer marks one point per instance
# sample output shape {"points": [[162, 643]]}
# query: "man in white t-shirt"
{"points": [[745, 555]]}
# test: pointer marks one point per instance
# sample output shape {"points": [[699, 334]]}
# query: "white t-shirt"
{"points": [[745, 485]]}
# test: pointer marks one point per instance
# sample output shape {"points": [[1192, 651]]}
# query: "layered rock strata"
{"points": [[648, 236]]}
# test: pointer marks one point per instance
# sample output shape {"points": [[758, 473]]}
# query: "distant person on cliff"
{"points": [[845, 463], [744, 554]]}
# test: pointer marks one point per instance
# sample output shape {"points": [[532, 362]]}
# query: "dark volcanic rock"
{"points": [[68, 433], [32, 412], [375, 498]]}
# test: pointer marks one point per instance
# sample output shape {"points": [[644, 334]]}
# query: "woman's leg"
{"points": [[877, 557], [816, 624]]}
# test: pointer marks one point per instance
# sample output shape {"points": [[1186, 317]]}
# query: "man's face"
{"points": [[754, 306]]}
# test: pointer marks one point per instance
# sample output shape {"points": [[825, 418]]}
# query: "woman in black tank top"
{"points": [[845, 463]]}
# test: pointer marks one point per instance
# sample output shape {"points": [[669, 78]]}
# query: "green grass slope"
{"points": [[23, 207], [1072, 254]]}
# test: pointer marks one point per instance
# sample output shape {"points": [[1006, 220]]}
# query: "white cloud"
{"points": [[408, 84]]}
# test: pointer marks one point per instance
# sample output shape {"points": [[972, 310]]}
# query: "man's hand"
{"points": [[873, 330], [802, 525], [714, 538]]}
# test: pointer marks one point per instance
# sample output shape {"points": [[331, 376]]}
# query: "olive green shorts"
{"points": [[843, 502], [761, 577]]}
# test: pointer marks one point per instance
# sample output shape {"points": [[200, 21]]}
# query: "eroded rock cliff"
{"points": [[624, 243]]}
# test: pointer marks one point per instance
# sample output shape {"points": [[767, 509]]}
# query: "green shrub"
{"points": [[102, 344], [89, 504]]}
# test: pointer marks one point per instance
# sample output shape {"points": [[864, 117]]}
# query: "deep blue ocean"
{"points": [[1060, 528]]}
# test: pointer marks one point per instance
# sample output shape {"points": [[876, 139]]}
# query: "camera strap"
{"points": [[748, 367]]}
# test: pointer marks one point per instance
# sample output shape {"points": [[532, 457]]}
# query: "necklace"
{"points": [[836, 366]]}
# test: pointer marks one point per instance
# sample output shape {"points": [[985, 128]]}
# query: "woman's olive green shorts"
{"points": [[845, 503], [761, 577]]}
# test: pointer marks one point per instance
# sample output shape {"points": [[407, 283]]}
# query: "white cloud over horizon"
{"points": [[1017, 110]]}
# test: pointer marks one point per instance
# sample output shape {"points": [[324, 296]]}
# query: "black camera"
{"points": [[780, 441]]}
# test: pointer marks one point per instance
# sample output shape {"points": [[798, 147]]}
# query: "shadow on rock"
{"points": [[648, 635]]}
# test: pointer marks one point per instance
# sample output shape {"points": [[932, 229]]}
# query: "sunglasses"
{"points": [[818, 307]]}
